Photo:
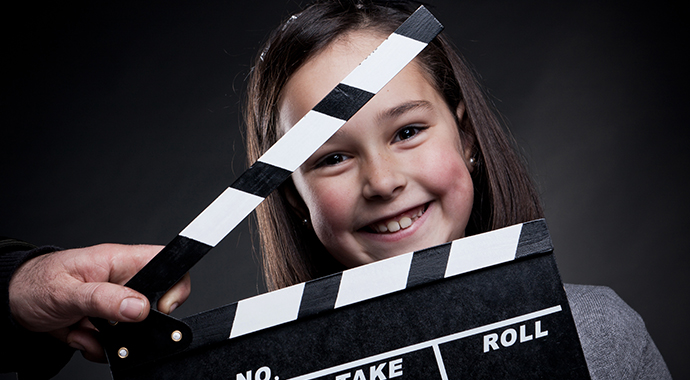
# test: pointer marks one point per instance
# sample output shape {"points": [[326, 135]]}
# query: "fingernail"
{"points": [[77, 346], [173, 307], [132, 308]]}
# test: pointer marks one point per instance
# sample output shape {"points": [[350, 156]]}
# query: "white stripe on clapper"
{"points": [[221, 216], [303, 135], [496, 247], [384, 63], [266, 310], [373, 280]]}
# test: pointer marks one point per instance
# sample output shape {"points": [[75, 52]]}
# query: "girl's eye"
{"points": [[333, 159], [407, 133]]}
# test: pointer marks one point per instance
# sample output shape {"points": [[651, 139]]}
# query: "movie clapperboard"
{"points": [[489, 306]]}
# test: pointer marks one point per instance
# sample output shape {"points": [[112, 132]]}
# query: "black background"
{"points": [[121, 123]]}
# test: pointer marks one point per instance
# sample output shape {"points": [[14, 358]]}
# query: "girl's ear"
{"points": [[295, 200], [467, 138]]}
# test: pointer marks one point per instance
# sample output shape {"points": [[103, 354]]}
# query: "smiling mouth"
{"points": [[397, 223]]}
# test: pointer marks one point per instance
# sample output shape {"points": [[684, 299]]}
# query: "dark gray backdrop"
{"points": [[121, 123]]}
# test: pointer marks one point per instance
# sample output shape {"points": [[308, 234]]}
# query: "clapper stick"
{"points": [[286, 155]]}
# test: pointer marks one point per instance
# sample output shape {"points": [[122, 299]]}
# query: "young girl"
{"points": [[424, 162]]}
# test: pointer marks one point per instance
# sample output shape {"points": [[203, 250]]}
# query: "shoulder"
{"points": [[595, 304], [614, 338]]}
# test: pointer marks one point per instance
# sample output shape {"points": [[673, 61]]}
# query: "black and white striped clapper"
{"points": [[487, 306]]}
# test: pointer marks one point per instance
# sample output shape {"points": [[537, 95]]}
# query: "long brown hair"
{"points": [[504, 193]]}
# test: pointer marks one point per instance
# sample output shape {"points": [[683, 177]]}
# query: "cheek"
{"points": [[330, 205], [445, 175], [444, 172]]}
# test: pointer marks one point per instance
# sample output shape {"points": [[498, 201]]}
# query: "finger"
{"points": [[130, 260], [117, 263], [84, 340], [60, 333], [109, 301], [176, 296]]}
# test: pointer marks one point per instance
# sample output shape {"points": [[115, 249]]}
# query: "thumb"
{"points": [[111, 301]]}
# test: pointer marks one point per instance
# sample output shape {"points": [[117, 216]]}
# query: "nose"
{"points": [[383, 178]]}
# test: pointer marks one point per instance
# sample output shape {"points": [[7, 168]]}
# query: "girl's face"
{"points": [[394, 178]]}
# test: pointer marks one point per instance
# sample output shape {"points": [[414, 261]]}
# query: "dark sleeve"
{"points": [[614, 338], [31, 355]]}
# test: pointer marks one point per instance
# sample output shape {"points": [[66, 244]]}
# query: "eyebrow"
{"points": [[394, 112], [400, 109]]}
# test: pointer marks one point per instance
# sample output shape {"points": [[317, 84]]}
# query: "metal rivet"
{"points": [[123, 352], [176, 335], [112, 323]]}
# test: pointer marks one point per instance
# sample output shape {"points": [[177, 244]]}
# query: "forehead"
{"points": [[321, 73]]}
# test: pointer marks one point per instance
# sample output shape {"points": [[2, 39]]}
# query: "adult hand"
{"points": [[56, 292]]}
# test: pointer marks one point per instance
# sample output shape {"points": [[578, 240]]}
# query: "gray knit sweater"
{"points": [[614, 338]]}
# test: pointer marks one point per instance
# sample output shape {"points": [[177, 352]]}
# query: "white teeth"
{"points": [[393, 226], [397, 225]]}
